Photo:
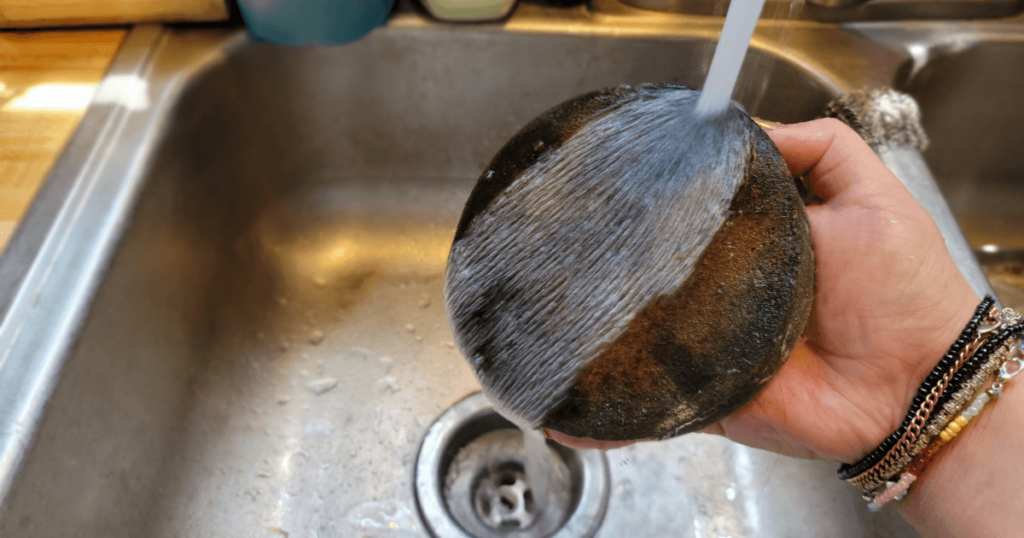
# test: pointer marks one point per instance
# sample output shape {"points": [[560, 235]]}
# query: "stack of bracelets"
{"points": [[951, 396]]}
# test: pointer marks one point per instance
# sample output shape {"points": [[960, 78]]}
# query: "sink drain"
{"points": [[471, 481], [487, 490]]}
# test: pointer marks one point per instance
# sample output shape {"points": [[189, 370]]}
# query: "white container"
{"points": [[469, 10]]}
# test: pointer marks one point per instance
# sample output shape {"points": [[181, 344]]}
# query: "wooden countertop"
{"points": [[52, 13], [46, 82]]}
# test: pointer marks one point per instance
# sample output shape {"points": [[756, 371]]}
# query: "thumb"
{"points": [[835, 157]]}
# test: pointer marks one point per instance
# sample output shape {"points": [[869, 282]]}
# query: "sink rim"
{"points": [[61, 249]]}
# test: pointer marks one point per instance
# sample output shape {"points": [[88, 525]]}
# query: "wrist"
{"points": [[948, 324], [925, 381], [951, 318], [973, 487], [974, 478]]}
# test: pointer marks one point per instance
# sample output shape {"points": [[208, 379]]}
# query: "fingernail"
{"points": [[768, 125]]}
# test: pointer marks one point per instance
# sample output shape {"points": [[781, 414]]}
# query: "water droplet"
{"points": [[389, 384], [321, 385], [316, 337], [626, 492], [410, 327]]}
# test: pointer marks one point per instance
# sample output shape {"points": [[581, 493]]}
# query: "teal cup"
{"points": [[313, 22]]}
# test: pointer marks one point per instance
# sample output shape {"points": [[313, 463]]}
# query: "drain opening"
{"points": [[471, 481], [504, 500], [487, 490]]}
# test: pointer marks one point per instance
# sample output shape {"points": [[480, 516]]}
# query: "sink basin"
{"points": [[977, 127], [972, 111], [227, 303]]}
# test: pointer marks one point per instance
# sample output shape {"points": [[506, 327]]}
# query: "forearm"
{"points": [[975, 487]]}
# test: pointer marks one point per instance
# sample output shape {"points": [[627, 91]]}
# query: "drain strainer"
{"points": [[488, 491], [471, 480]]}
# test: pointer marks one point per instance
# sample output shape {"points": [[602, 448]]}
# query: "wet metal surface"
{"points": [[250, 340]]}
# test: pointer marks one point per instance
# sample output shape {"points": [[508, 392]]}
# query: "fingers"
{"points": [[714, 429], [582, 442], [837, 159]]}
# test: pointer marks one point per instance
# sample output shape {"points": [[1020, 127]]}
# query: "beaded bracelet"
{"points": [[1011, 353], [923, 405], [1013, 327], [942, 419], [875, 478], [969, 337], [897, 490]]}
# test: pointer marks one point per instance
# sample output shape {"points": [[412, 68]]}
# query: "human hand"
{"points": [[888, 304]]}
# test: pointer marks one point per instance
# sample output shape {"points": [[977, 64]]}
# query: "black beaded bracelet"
{"points": [[968, 335], [971, 366]]}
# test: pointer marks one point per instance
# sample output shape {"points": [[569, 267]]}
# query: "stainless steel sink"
{"points": [[972, 106], [967, 80], [222, 315]]}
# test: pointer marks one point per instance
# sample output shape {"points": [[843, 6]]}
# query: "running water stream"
{"points": [[538, 467], [729, 54]]}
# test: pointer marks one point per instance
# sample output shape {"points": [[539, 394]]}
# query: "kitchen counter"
{"points": [[47, 79]]}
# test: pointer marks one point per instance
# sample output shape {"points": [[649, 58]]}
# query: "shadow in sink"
{"points": [[269, 345]]}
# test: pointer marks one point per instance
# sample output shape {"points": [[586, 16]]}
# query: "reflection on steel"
{"points": [[222, 314]]}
